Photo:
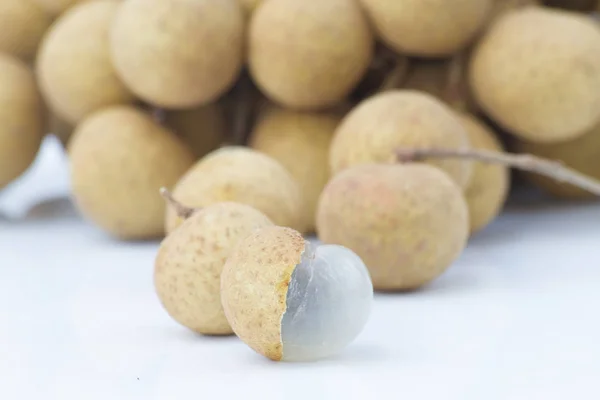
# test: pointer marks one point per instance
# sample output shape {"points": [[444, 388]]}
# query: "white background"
{"points": [[515, 318]]}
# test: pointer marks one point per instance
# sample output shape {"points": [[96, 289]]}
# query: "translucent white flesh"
{"points": [[328, 303]]}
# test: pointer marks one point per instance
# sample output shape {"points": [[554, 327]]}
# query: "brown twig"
{"points": [[526, 162], [181, 210]]}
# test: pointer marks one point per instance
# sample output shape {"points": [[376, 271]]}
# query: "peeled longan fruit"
{"points": [[203, 128], [291, 301], [537, 74], [407, 222], [74, 66], [321, 51], [243, 175], [581, 154], [490, 183], [120, 158], [433, 28], [300, 142], [187, 271], [383, 123], [23, 26], [178, 53], [22, 114]]}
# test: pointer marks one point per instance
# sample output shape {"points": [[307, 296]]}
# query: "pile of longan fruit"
{"points": [[297, 109]]}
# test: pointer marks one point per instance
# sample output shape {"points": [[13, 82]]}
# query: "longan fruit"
{"points": [[536, 73], [319, 54], [489, 186], [120, 158], [178, 53], [203, 128], [187, 271], [23, 26], [291, 301], [395, 119], [300, 142], [22, 113], [243, 175], [433, 28], [74, 67], [407, 222], [581, 154]]}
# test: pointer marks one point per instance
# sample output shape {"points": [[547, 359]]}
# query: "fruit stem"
{"points": [[181, 210], [526, 162]]}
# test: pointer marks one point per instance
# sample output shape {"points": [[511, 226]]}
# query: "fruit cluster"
{"points": [[273, 119]]}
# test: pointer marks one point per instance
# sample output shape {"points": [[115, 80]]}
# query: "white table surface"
{"points": [[515, 318]]}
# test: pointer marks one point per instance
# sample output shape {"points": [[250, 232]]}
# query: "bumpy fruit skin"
{"points": [[386, 122], [120, 158], [203, 128], [245, 176], [581, 154], [407, 222], [490, 183], [300, 142], [23, 26], [74, 68], [267, 259], [56, 7], [22, 113], [320, 52], [537, 74], [433, 28], [178, 53], [187, 272]]}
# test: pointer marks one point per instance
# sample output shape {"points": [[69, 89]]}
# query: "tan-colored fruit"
{"points": [[203, 128], [490, 183], [537, 74], [120, 158], [56, 7], [23, 26], [291, 301], [243, 175], [178, 53], [74, 68], [22, 116], [320, 52], [386, 122], [581, 154], [433, 28], [187, 272], [300, 142], [60, 128], [575, 5], [407, 222]]}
